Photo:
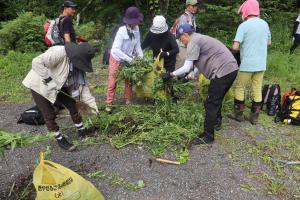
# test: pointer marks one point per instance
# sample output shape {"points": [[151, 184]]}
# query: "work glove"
{"points": [[166, 76], [164, 54], [47, 80]]}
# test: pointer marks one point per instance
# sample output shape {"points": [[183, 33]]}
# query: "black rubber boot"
{"points": [[239, 107], [204, 139], [64, 144], [255, 110]]}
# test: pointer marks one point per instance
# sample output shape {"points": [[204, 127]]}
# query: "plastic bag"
{"points": [[56, 182], [203, 84], [146, 88]]}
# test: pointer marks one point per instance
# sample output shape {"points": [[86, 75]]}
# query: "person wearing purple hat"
{"points": [[126, 46], [213, 59]]}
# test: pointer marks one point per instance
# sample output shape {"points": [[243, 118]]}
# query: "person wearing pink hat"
{"points": [[252, 39], [126, 46]]}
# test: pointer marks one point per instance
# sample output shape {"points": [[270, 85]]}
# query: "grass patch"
{"points": [[13, 69], [12, 140], [117, 181], [162, 127]]}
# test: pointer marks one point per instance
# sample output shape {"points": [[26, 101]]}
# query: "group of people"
{"points": [[58, 73]]}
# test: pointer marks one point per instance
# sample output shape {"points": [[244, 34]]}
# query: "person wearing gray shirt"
{"points": [[213, 59]]}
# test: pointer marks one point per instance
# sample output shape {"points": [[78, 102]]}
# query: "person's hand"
{"points": [[164, 54], [47, 80], [166, 76]]}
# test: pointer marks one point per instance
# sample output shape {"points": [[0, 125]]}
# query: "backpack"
{"points": [[174, 27], [32, 116], [290, 109], [52, 32], [271, 98]]}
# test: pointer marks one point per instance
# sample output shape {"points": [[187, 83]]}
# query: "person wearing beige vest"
{"points": [[56, 76]]}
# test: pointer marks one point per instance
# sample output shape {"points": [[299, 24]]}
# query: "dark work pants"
{"points": [[295, 43], [48, 111], [213, 105]]}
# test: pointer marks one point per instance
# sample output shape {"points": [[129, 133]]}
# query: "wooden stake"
{"points": [[167, 161]]}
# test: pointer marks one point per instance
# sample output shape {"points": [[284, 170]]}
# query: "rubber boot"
{"points": [[239, 107], [255, 110]]}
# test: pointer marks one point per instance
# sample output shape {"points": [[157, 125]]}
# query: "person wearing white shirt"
{"points": [[125, 47], [296, 35]]}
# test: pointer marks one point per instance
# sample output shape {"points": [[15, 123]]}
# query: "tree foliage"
{"points": [[24, 34]]}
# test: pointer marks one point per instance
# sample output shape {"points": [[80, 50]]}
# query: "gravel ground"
{"points": [[210, 173]]}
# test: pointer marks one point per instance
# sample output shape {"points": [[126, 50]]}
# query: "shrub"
{"points": [[87, 30], [24, 34]]}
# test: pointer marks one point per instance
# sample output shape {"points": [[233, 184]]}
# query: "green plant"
{"points": [[24, 34], [135, 71], [117, 181], [12, 140], [13, 68]]}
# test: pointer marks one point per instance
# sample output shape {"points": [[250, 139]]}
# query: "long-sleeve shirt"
{"points": [[165, 42], [125, 46]]}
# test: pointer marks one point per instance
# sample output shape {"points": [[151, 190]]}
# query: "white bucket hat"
{"points": [[159, 25]]}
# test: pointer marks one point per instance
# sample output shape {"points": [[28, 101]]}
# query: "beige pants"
{"points": [[243, 79], [88, 98]]}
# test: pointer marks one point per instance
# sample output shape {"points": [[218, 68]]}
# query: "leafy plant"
{"points": [[135, 71], [13, 140], [116, 180], [24, 34]]}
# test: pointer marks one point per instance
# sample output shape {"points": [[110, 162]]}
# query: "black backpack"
{"points": [[32, 116], [271, 98]]}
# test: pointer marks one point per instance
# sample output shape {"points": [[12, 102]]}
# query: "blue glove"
{"points": [[166, 76]]}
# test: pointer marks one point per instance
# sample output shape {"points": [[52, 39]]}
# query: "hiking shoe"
{"points": [[64, 144], [86, 132], [255, 110], [202, 140], [238, 110], [237, 116], [253, 118]]}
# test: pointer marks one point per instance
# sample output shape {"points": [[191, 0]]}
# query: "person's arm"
{"points": [[174, 46], [49, 59], [117, 48], [193, 74], [239, 38], [66, 28], [296, 24], [187, 67], [235, 46], [269, 38], [67, 37], [138, 47]]}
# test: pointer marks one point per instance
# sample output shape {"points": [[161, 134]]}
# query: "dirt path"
{"points": [[213, 172]]}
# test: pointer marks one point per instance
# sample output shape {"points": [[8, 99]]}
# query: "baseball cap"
{"points": [[184, 28], [191, 2], [199, 3], [69, 4]]}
